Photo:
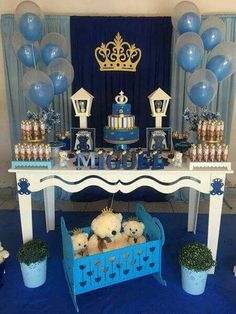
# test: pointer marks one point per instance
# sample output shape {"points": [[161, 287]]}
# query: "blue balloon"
{"points": [[189, 22], [201, 93], [29, 55], [51, 52], [30, 26], [211, 37], [189, 57], [41, 94], [59, 81], [220, 66]]}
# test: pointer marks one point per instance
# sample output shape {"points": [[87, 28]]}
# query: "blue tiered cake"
{"points": [[121, 129]]}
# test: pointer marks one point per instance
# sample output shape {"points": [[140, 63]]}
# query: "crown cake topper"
{"points": [[118, 55], [121, 99]]}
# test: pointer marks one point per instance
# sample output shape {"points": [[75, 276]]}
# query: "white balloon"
{"points": [[226, 48], [189, 38], [62, 65], [202, 87], [222, 60], [189, 51], [212, 32], [57, 39], [203, 75], [180, 9], [38, 87], [18, 40], [213, 21], [28, 7]]}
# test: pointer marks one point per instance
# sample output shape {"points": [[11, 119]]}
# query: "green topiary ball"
{"points": [[197, 257], [33, 251]]}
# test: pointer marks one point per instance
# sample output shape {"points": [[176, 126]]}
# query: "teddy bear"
{"points": [[177, 160], [80, 243], [133, 231], [4, 254], [63, 158], [107, 232]]}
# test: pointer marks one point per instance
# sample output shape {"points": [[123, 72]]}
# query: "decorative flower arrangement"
{"points": [[196, 256], [193, 117], [49, 117]]}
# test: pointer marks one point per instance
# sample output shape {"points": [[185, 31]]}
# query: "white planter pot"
{"points": [[34, 275], [193, 282]]}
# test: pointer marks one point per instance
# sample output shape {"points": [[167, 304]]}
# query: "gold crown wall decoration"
{"points": [[118, 55]]}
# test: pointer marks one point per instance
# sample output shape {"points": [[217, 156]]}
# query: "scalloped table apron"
{"points": [[168, 180]]}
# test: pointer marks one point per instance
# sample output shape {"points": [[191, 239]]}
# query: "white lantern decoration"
{"points": [[82, 103], [159, 102]]}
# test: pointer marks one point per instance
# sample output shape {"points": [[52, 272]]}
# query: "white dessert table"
{"points": [[168, 180]]}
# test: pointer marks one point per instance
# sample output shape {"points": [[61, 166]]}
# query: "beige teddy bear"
{"points": [[63, 158], [133, 231], [4, 254], [177, 160], [107, 233], [80, 243]]}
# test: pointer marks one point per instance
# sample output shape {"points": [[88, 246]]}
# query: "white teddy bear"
{"points": [[63, 158], [80, 243], [4, 254], [177, 160], [107, 233], [133, 231]]}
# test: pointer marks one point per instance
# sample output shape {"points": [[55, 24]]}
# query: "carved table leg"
{"points": [[49, 205], [215, 210], [25, 207], [194, 196]]}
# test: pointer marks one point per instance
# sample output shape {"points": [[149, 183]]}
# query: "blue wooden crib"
{"points": [[105, 269]]}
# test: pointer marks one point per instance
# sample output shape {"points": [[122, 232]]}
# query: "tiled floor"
{"points": [[8, 201]]}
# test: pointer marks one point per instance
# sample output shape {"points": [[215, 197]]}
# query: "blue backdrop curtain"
{"points": [[224, 100], [14, 71], [153, 36]]}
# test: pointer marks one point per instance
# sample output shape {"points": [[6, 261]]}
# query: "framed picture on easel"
{"points": [[157, 138], [83, 139]]}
